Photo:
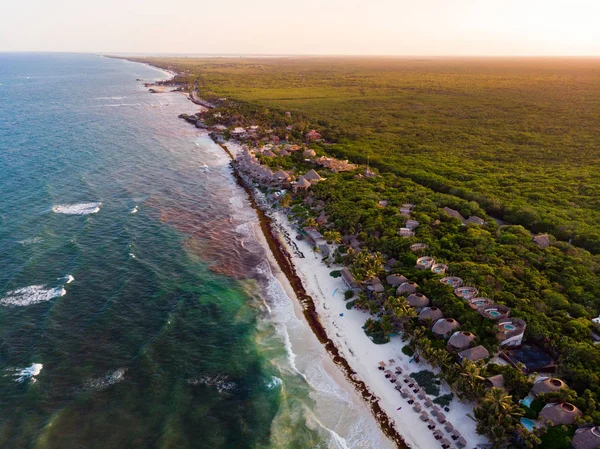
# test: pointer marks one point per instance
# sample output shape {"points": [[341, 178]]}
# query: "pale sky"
{"points": [[380, 27]]}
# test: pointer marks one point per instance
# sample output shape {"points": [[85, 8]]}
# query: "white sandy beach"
{"points": [[360, 352]]}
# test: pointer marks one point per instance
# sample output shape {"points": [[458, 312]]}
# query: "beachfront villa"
{"points": [[547, 385], [559, 413], [395, 279], [444, 327], [494, 312], [510, 331], [460, 340], [238, 133], [418, 247], [425, 263], [439, 268], [474, 354], [452, 281], [412, 224], [406, 232], [466, 292], [302, 184], [348, 279], [313, 176], [477, 303], [417, 300], [586, 438], [430, 315]]}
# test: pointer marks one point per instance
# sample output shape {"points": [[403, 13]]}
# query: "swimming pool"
{"points": [[528, 424], [527, 401]]}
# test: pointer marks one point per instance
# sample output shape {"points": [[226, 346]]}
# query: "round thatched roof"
{"points": [[547, 385], [407, 287], [444, 326], [560, 413], [586, 438], [417, 300], [461, 340], [396, 279], [312, 175], [309, 153], [430, 313]]}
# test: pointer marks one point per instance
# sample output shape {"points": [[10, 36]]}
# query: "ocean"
{"points": [[137, 307]]}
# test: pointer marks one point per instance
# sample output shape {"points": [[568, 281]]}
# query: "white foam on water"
{"points": [[33, 294], [31, 241], [28, 373], [110, 378], [134, 210], [77, 209], [275, 382], [69, 279], [220, 382], [131, 255]]}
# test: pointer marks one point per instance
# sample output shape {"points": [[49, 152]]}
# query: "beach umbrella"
{"points": [[421, 395], [417, 407], [441, 418], [448, 426], [424, 416], [461, 442]]}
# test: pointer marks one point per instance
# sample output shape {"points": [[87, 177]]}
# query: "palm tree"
{"points": [[470, 381], [498, 403]]}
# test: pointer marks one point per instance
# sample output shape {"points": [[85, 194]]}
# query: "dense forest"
{"points": [[518, 136], [510, 139]]}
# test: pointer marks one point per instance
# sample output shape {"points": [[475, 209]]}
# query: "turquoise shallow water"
{"points": [[137, 309]]}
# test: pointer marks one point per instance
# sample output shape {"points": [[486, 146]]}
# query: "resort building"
{"points": [[430, 315], [408, 287], [312, 176], [418, 247], [459, 341], [348, 279], [444, 327], [313, 135], [417, 300], [466, 292], [559, 414], [586, 438], [494, 312], [395, 279], [309, 153], [313, 236], [302, 184], [474, 354], [439, 268], [477, 303], [510, 331], [281, 176], [454, 214], [238, 133], [542, 240], [375, 285], [425, 263], [496, 381], [476, 220], [406, 232], [452, 281], [411, 224], [547, 385]]}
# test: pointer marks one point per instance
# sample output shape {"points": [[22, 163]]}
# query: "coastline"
{"points": [[342, 337]]}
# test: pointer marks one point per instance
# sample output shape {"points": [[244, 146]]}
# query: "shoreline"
{"points": [[309, 310], [378, 394]]}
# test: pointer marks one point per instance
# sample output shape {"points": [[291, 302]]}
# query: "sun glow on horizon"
{"points": [[379, 27]]}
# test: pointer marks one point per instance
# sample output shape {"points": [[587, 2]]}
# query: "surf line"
{"points": [[310, 313]]}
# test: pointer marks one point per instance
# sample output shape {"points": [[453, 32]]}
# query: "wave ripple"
{"points": [[77, 209]]}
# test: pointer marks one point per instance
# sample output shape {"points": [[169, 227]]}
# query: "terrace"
{"points": [[494, 312], [466, 292], [531, 358], [418, 247], [477, 303], [510, 331], [452, 281], [439, 268]]}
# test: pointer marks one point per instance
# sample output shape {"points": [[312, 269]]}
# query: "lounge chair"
{"points": [[417, 407], [441, 418]]}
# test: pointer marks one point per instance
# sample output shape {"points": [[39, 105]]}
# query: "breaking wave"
{"points": [[110, 378], [31, 241], [134, 210], [27, 373], [35, 294], [220, 382], [77, 209]]}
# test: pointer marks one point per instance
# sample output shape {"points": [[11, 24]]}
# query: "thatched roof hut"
{"points": [[461, 340], [496, 381], [452, 281], [281, 175], [268, 153], [444, 327], [312, 176], [284, 153], [542, 240], [302, 183], [474, 354], [431, 314], [547, 385], [417, 300], [466, 292], [560, 413], [418, 246], [309, 153], [407, 287], [396, 279], [586, 438]]}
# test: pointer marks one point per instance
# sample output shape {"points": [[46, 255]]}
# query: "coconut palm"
{"points": [[497, 403]]}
